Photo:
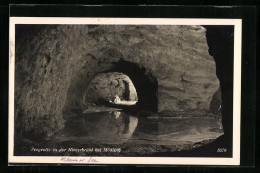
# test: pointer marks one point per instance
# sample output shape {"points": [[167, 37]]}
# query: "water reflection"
{"points": [[117, 114], [118, 127], [102, 127], [169, 131]]}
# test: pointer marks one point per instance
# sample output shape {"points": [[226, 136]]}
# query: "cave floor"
{"points": [[117, 133]]}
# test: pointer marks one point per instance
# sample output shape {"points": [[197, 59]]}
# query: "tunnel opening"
{"points": [[82, 93], [111, 87], [145, 83], [141, 86]]}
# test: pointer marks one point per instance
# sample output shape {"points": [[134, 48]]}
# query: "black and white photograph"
{"points": [[124, 91]]}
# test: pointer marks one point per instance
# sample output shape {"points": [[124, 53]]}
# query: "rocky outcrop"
{"points": [[56, 63]]}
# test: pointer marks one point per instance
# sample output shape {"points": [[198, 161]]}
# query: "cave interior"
{"points": [[80, 93]]}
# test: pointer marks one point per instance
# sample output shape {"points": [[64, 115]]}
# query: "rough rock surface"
{"points": [[55, 64], [105, 86]]}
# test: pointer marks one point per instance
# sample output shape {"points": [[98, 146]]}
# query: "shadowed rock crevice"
{"points": [[221, 46], [216, 103]]}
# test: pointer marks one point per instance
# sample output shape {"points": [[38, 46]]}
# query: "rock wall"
{"points": [[56, 63]]}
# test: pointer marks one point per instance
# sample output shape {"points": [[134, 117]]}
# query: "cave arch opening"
{"points": [[111, 87], [144, 81], [143, 90]]}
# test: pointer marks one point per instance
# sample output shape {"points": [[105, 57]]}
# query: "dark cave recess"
{"points": [[220, 40]]}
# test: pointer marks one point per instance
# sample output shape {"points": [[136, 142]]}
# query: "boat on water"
{"points": [[130, 106], [124, 102], [118, 101]]}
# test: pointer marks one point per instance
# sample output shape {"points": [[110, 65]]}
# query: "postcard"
{"points": [[149, 91]]}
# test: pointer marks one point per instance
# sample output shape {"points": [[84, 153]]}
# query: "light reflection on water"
{"points": [[119, 127]]}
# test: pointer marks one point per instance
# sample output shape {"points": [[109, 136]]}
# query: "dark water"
{"points": [[119, 127]]}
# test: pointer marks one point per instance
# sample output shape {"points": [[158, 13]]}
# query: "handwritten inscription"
{"points": [[91, 159], [71, 160], [78, 160]]}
